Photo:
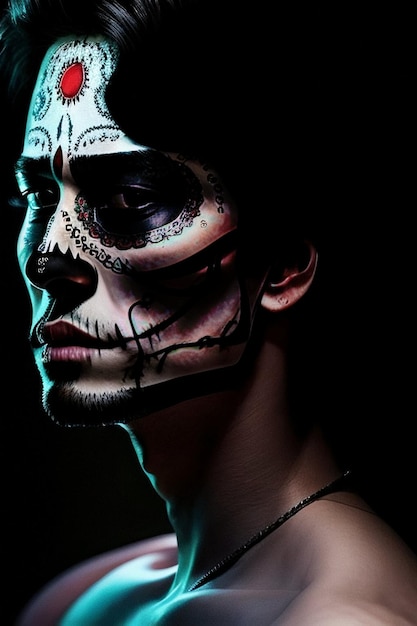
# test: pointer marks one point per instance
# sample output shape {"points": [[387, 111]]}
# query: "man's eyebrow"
{"points": [[134, 156], [117, 165], [27, 169]]}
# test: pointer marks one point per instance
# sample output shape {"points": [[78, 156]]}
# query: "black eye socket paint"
{"points": [[126, 196], [145, 167]]}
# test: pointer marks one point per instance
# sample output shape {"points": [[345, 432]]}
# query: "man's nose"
{"points": [[68, 279]]}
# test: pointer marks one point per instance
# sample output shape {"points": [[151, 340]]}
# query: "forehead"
{"points": [[68, 108]]}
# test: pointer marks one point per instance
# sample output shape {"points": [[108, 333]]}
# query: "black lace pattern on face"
{"points": [[132, 199]]}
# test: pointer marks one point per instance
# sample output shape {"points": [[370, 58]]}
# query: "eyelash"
{"points": [[41, 198], [48, 202], [114, 199], [127, 197]]}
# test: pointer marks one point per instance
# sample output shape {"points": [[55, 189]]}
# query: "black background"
{"points": [[68, 495]]}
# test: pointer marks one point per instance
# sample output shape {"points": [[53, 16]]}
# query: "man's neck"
{"points": [[229, 464]]}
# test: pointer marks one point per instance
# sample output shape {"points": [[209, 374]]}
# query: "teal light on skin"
{"points": [[122, 585]]}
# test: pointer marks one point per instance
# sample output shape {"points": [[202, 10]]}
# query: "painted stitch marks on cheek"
{"points": [[183, 331]]}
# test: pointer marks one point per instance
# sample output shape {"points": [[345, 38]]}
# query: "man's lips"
{"points": [[62, 334], [63, 342]]}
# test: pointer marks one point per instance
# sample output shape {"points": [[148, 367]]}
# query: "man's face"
{"points": [[129, 254]]}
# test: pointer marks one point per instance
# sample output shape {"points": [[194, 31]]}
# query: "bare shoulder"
{"points": [[347, 605], [344, 612], [46, 608], [363, 574]]}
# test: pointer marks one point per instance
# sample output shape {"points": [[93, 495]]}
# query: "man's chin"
{"points": [[68, 406]]}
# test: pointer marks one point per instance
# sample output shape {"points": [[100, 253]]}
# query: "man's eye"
{"points": [[46, 198], [132, 198], [132, 209]]}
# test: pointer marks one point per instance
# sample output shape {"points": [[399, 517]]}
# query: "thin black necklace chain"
{"points": [[229, 560]]}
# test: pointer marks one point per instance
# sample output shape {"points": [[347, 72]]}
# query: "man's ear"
{"points": [[284, 287]]}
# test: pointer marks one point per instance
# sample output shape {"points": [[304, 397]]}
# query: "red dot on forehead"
{"points": [[72, 80]]}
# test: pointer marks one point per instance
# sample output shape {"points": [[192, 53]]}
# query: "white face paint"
{"points": [[68, 109], [129, 254]]}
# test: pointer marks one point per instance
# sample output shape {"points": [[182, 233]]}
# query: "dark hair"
{"points": [[278, 98], [220, 79]]}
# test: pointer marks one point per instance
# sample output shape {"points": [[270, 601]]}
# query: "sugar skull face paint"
{"points": [[129, 254]]}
